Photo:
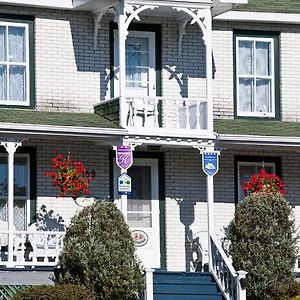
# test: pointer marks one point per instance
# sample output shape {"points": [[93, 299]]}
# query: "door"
{"points": [[140, 63], [143, 210]]}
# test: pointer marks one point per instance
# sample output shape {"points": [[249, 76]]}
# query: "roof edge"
{"points": [[247, 16]]}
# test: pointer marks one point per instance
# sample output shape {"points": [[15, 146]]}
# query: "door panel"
{"points": [[140, 63], [143, 210]]}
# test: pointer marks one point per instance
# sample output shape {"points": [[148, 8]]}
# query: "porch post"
{"points": [[122, 34], [209, 75], [210, 212], [124, 200], [11, 147]]}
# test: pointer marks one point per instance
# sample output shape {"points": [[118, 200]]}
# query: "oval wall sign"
{"points": [[85, 202], [139, 237]]}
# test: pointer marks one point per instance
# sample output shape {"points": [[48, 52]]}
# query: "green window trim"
{"points": [[251, 160], [257, 36], [29, 22]]}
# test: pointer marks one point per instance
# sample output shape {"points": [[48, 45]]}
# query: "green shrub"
{"points": [[100, 254], [54, 292], [263, 243]]}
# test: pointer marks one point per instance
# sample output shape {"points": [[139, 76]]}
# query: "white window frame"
{"points": [[26, 198], [254, 76], [26, 64], [251, 164], [152, 74]]}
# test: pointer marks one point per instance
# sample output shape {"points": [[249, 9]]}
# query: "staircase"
{"points": [[185, 286]]}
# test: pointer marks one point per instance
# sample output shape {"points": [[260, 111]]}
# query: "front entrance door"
{"points": [[140, 63], [143, 210]]}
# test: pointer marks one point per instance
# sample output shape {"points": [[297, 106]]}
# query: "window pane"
{"points": [[21, 176], [20, 214], [3, 176], [16, 39], [2, 43], [3, 82], [3, 212], [245, 57], [263, 58], [245, 174], [139, 219], [263, 95], [246, 91], [17, 77]]}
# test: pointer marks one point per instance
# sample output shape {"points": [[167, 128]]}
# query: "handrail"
{"points": [[201, 100], [228, 280]]}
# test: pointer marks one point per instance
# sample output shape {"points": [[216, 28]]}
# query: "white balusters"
{"points": [[39, 248], [162, 112]]}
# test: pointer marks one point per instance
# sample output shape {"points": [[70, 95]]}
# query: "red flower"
{"points": [[264, 182], [70, 177]]}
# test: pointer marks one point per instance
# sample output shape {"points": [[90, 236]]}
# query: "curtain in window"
{"points": [[245, 57], [17, 78], [16, 41]]}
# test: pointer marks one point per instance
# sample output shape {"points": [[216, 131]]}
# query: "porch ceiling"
{"points": [[165, 6]]}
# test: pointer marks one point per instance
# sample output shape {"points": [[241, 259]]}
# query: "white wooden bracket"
{"points": [[181, 32], [199, 16], [98, 14], [132, 12]]}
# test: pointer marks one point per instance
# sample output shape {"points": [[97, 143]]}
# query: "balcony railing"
{"points": [[162, 113], [39, 248], [229, 281]]}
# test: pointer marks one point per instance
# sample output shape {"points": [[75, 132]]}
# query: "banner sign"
{"points": [[124, 158], [210, 163], [124, 184]]}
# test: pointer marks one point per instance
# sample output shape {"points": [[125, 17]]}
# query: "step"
{"points": [[185, 288], [188, 297], [182, 277]]}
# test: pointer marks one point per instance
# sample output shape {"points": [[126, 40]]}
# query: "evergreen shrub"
{"points": [[100, 254], [54, 292], [263, 243]]}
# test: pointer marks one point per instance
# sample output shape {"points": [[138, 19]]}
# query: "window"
{"points": [[16, 65], [256, 71], [246, 166], [24, 187]]}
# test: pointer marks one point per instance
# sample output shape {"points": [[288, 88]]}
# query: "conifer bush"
{"points": [[99, 253], [263, 243]]}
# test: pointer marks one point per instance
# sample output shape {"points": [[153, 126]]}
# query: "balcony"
{"points": [[158, 116]]}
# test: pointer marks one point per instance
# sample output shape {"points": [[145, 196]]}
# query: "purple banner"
{"points": [[124, 157]]}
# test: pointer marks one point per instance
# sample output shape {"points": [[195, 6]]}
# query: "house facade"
{"points": [[168, 78]]}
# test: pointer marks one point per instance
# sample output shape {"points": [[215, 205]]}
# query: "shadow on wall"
{"points": [[187, 218], [87, 58]]}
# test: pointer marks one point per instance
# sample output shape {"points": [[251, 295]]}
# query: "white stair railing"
{"points": [[230, 282]]}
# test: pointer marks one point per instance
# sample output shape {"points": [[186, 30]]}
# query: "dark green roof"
{"points": [[55, 118], [257, 127], [272, 6]]}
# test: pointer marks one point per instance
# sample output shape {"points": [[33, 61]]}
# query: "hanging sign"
{"points": [[140, 238], [210, 163], [124, 158], [124, 184], [85, 202]]}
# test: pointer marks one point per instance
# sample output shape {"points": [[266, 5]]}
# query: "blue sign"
{"points": [[210, 163]]}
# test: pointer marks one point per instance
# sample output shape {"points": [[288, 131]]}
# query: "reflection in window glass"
{"points": [[247, 169]]}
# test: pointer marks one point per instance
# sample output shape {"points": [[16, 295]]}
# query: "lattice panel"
{"points": [[8, 291]]}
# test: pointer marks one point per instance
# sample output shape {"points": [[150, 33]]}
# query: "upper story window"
{"points": [[16, 65], [256, 79]]}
